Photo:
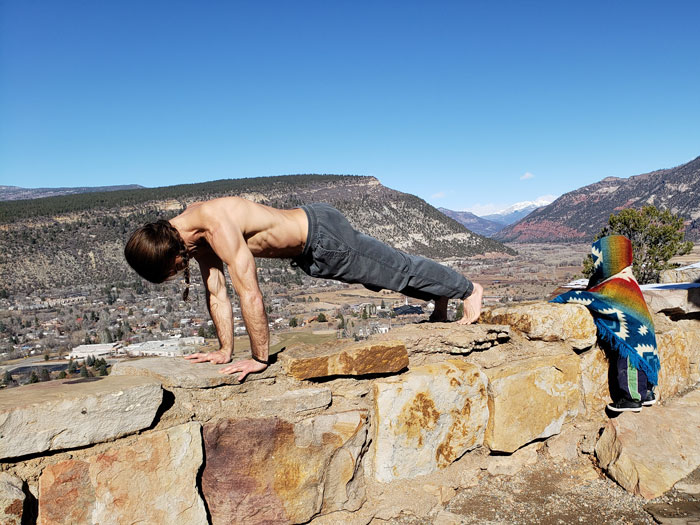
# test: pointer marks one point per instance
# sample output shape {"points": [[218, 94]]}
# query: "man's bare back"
{"points": [[267, 232]]}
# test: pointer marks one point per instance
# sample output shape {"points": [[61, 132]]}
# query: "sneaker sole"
{"points": [[616, 409], [649, 403]]}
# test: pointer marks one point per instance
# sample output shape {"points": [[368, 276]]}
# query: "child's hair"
{"points": [[152, 250]]}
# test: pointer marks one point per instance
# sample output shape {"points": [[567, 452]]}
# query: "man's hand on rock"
{"points": [[245, 367], [218, 357]]}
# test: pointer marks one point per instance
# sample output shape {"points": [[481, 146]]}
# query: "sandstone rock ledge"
{"points": [[347, 432], [648, 453]]}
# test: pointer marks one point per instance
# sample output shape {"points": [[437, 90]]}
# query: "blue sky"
{"points": [[452, 101]]}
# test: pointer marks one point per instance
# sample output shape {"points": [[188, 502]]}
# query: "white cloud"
{"points": [[438, 195], [527, 176]]}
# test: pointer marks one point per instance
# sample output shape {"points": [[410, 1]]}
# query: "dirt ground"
{"points": [[553, 492]]}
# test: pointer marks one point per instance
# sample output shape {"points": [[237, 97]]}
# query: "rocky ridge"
{"points": [[474, 223], [580, 214]]}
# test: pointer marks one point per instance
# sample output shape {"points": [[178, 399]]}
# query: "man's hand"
{"points": [[218, 357], [247, 366]]}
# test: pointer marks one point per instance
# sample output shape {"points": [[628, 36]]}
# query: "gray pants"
{"points": [[335, 250]]}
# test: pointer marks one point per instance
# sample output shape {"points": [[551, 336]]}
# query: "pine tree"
{"points": [[83, 371], [656, 236], [44, 374], [33, 378]]}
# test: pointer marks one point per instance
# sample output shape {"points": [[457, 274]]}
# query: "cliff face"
{"points": [[580, 214], [77, 239]]}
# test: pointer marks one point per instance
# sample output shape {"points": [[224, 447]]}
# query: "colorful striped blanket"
{"points": [[617, 305]]}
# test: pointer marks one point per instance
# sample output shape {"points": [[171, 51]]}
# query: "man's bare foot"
{"points": [[472, 306], [439, 314]]}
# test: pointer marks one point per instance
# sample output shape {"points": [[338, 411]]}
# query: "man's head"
{"points": [[157, 252]]}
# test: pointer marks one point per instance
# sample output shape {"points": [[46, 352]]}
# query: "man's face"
{"points": [[177, 268]]}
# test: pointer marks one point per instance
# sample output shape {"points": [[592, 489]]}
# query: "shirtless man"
{"points": [[233, 231]]}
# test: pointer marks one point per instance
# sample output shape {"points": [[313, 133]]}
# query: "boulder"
{"points": [[547, 321], [648, 452], [344, 359], [11, 499], [152, 480], [269, 470], [531, 399], [687, 274], [682, 298], [427, 418], [594, 382], [679, 353], [64, 414], [178, 372]]}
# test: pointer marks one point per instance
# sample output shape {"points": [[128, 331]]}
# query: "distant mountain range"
{"points": [[517, 211], [13, 193], [74, 239], [474, 223], [580, 214], [489, 225]]}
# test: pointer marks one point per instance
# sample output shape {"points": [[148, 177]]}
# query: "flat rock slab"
{"points": [[297, 400], [344, 359], [448, 338], [153, 480], [11, 499], [177, 372], [681, 298], [547, 322], [648, 452], [71, 413]]}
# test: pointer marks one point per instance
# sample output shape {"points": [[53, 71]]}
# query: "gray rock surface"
{"points": [[181, 373], [71, 413]]}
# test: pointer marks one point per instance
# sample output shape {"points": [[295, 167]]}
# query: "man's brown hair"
{"points": [[152, 250]]}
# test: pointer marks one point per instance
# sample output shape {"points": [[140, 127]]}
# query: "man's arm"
{"points": [[219, 307], [230, 246]]}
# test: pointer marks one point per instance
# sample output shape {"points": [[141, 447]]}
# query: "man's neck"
{"points": [[189, 236]]}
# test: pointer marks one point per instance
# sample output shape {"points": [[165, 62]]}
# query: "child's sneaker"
{"points": [[649, 399], [625, 405]]}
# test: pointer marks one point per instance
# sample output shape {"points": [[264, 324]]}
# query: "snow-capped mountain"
{"points": [[517, 211]]}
